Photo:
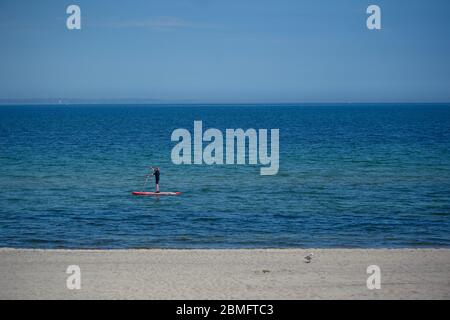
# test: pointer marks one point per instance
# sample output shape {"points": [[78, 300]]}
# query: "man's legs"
{"points": [[157, 184]]}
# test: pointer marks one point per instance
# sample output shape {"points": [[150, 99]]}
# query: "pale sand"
{"points": [[225, 274]]}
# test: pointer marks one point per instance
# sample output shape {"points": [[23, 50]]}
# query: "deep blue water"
{"points": [[350, 176]]}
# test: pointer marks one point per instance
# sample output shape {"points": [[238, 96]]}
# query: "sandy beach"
{"points": [[225, 274]]}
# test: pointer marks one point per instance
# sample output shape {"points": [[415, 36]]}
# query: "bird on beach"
{"points": [[308, 258]]}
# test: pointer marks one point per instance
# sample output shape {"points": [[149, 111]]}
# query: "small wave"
{"points": [[206, 219], [183, 238]]}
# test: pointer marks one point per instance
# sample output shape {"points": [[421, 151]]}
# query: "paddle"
{"points": [[145, 182], [146, 179]]}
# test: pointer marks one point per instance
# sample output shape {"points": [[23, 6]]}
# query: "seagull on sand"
{"points": [[308, 258]]}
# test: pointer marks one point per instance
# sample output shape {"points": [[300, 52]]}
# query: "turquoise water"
{"points": [[350, 176]]}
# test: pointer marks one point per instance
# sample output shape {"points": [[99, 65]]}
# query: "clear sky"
{"points": [[226, 51]]}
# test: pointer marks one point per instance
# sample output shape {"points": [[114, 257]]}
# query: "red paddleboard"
{"points": [[141, 193]]}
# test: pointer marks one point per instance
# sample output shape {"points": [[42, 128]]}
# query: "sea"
{"points": [[350, 176]]}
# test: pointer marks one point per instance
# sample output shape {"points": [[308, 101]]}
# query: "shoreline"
{"points": [[2, 249], [406, 273]]}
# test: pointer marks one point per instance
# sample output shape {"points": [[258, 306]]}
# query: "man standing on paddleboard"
{"points": [[156, 174]]}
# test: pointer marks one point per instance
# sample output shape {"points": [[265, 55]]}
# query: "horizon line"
{"points": [[68, 102]]}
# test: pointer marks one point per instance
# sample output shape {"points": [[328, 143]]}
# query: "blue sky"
{"points": [[226, 51]]}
